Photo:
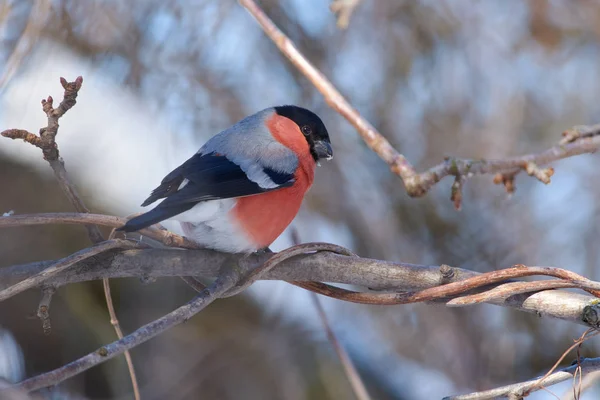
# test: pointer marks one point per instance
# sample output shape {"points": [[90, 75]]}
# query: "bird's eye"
{"points": [[306, 130]]}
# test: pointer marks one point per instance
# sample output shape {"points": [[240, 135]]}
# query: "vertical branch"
{"points": [[46, 141], [355, 381], [115, 323], [360, 391]]}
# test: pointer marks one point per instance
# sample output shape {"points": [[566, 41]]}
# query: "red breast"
{"points": [[265, 216]]}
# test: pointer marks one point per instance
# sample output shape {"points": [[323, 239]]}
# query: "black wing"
{"points": [[209, 177], [206, 177]]}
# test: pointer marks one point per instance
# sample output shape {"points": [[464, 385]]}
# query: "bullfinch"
{"points": [[241, 190]]}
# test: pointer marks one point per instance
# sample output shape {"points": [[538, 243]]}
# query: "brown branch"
{"points": [[115, 323], [586, 139], [139, 336], [450, 289], [165, 237], [343, 10], [43, 311], [355, 381], [46, 141], [117, 327], [511, 289], [587, 382]]}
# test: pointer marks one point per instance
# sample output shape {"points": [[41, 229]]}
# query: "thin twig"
{"points": [[587, 382], [511, 289], [43, 311], [588, 334], [343, 10], [521, 390], [165, 237], [63, 264], [115, 323], [585, 140], [46, 141], [139, 336], [588, 365], [353, 376], [194, 283]]}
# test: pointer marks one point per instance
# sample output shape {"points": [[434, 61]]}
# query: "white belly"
{"points": [[210, 225]]}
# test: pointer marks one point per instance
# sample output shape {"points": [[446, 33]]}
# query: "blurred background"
{"points": [[469, 79]]}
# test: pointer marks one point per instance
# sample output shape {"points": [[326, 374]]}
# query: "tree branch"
{"points": [[225, 282], [587, 365], [43, 276], [324, 266], [46, 141], [577, 140], [165, 237], [343, 9]]}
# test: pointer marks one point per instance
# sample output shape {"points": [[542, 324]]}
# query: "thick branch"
{"points": [[325, 267], [578, 140], [587, 365], [62, 265]]}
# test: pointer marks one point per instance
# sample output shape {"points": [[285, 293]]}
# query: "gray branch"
{"points": [[323, 267]]}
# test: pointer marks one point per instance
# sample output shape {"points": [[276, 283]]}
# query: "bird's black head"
{"points": [[312, 128]]}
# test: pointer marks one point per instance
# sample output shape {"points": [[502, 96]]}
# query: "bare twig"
{"points": [[194, 283], [357, 384], [46, 141], [115, 323], [521, 390], [141, 335], [43, 311], [588, 334], [343, 9], [587, 366], [510, 289], [165, 237], [587, 382], [63, 264], [354, 378], [586, 140]]}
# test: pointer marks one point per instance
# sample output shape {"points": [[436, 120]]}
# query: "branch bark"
{"points": [[324, 266], [62, 265]]}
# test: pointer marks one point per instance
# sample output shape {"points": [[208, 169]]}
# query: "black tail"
{"points": [[153, 216]]}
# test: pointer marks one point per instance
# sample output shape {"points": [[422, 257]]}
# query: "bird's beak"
{"points": [[323, 149]]}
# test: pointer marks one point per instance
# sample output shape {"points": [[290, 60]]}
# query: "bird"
{"points": [[245, 185]]}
